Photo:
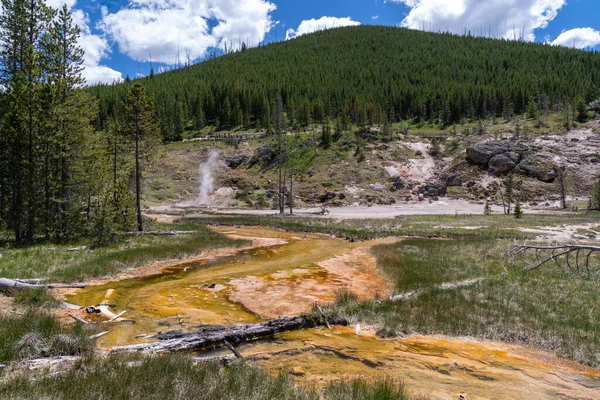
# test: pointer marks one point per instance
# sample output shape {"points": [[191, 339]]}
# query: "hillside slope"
{"points": [[363, 75], [407, 169]]}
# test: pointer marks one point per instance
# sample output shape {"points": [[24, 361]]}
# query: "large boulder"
{"points": [[236, 161], [538, 166], [460, 173], [433, 189], [503, 163], [482, 153], [397, 185]]}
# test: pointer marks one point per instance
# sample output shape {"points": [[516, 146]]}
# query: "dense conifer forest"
{"points": [[60, 177], [363, 75]]}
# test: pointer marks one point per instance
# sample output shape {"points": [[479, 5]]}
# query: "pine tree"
{"points": [[518, 211], [326, 135], [200, 121], [22, 27], [142, 127], [179, 122], [487, 210], [582, 110], [595, 198], [70, 117], [532, 108]]}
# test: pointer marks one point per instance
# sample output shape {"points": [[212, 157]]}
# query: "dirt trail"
{"points": [[566, 233]]}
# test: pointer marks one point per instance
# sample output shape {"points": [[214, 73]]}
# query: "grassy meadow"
{"points": [[429, 226], [545, 308], [59, 263], [176, 377]]}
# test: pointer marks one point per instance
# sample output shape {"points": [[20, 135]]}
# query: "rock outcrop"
{"points": [[235, 161], [504, 157], [482, 153], [503, 163], [538, 166]]}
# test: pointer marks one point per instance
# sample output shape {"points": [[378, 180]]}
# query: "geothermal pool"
{"points": [[288, 278]]}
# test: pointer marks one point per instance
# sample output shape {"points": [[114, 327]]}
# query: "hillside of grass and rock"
{"points": [[376, 116], [381, 165]]}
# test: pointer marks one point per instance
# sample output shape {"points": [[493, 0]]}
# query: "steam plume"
{"points": [[207, 179]]}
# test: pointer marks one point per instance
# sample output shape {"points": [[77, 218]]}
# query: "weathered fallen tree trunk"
{"points": [[158, 233], [444, 286], [574, 259], [217, 337], [8, 285]]}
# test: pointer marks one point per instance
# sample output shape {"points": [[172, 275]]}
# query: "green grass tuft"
{"points": [[38, 334], [176, 377], [58, 263], [545, 308], [38, 298]]}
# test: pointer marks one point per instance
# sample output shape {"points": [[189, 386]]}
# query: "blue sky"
{"points": [[125, 37]]}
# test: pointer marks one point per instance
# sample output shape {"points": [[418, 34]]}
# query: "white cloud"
{"points": [[507, 19], [580, 38], [375, 17], [313, 25], [160, 29], [96, 48]]}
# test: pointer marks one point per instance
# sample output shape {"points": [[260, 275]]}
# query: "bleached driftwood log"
{"points": [[9, 285], [158, 233], [217, 337], [444, 286]]}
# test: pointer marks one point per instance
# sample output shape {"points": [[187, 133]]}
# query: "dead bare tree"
{"points": [[188, 57], [580, 260], [562, 187], [508, 193]]}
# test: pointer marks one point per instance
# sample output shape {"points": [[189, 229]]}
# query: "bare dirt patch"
{"points": [[6, 305]]}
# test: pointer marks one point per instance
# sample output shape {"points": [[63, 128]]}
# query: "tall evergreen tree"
{"points": [[179, 121], [141, 126], [70, 119], [23, 25]]}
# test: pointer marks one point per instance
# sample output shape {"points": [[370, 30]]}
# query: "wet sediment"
{"points": [[287, 279]]}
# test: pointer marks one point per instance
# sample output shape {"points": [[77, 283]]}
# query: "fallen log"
{"points": [[99, 335], [33, 281], [9, 285], [104, 309], [78, 248], [233, 350], [217, 337], [48, 363], [444, 286], [224, 359], [78, 319], [158, 233]]}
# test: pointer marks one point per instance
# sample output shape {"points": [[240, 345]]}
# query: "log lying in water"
{"points": [[9, 285], [217, 337]]}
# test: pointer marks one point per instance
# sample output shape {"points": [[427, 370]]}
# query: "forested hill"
{"points": [[366, 74]]}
